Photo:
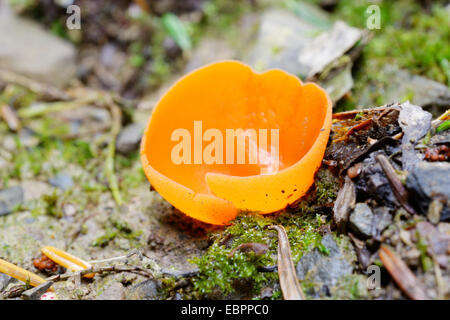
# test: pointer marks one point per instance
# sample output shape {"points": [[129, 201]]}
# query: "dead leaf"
{"points": [[290, 286], [401, 274]]}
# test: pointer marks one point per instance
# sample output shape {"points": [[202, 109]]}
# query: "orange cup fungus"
{"points": [[225, 139]]}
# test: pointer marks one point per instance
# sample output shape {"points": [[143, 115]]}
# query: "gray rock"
{"points": [[129, 138], [4, 281], [10, 198], [62, 181], [114, 291], [26, 48], [208, 51], [147, 290], [428, 181], [36, 292], [415, 123], [324, 269], [328, 47], [361, 220], [382, 219], [420, 90], [305, 44], [281, 37]]}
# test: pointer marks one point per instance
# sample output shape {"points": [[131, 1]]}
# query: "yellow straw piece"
{"points": [[21, 274], [67, 260]]}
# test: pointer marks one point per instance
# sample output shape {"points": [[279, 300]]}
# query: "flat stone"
{"points": [[361, 220], [324, 269], [305, 44], [329, 46], [36, 292], [115, 291], [62, 181], [382, 219], [4, 281], [420, 90], [281, 37], [415, 123], [10, 198], [129, 138], [428, 181], [146, 290], [27, 49]]}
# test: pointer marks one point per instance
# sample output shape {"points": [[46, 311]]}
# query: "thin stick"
{"points": [[137, 270], [50, 107], [130, 254]]}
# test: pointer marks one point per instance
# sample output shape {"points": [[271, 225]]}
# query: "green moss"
{"points": [[103, 240], [425, 260], [116, 228], [49, 204], [326, 187], [218, 270], [130, 172], [443, 127], [352, 287], [18, 97], [59, 29], [136, 57]]}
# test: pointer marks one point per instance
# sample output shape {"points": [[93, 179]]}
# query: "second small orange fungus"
{"points": [[225, 139]]}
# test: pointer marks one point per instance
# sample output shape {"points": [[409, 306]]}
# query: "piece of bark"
{"points": [[36, 292], [344, 204]]}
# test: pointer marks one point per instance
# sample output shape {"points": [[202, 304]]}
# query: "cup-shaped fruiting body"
{"points": [[67, 260], [21, 274], [224, 139]]}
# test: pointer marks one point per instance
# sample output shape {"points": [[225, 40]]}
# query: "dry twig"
{"points": [[47, 91]]}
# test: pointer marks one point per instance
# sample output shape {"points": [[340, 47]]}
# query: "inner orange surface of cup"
{"points": [[229, 95]]}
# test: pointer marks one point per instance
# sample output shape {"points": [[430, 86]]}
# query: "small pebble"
{"points": [[354, 171]]}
